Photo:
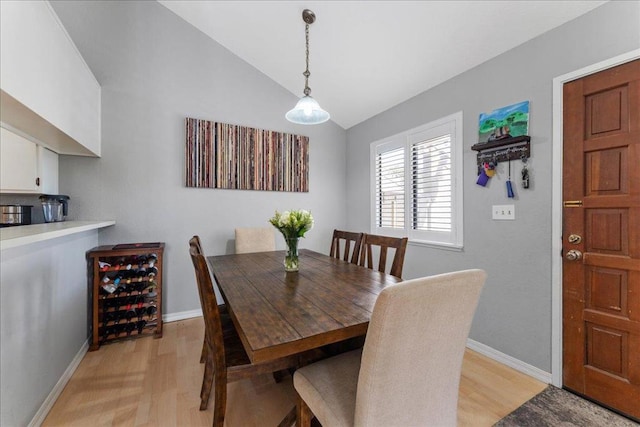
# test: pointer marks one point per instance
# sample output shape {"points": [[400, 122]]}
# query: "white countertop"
{"points": [[10, 237]]}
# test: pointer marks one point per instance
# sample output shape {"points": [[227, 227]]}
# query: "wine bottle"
{"points": [[118, 329], [117, 279], [140, 273], [152, 259], [107, 285], [107, 304], [140, 325], [130, 327], [131, 313], [117, 316], [107, 317], [105, 332], [104, 266], [119, 263]]}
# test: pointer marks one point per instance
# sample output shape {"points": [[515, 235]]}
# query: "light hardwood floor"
{"points": [[156, 382]]}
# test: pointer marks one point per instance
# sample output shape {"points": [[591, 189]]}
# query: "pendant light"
{"points": [[307, 111]]}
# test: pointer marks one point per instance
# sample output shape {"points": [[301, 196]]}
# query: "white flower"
{"points": [[285, 218], [293, 223]]}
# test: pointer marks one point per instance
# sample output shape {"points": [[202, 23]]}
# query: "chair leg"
{"points": [[203, 354], [220, 403], [289, 420], [304, 415], [207, 381]]}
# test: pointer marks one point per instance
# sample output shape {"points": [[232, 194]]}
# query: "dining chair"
{"points": [[226, 360], [350, 253], [384, 243], [255, 239], [408, 372], [197, 245], [222, 308]]}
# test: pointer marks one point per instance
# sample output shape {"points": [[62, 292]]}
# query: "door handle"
{"points": [[573, 255], [574, 238]]}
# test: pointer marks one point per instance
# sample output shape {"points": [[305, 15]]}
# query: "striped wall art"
{"points": [[220, 155]]}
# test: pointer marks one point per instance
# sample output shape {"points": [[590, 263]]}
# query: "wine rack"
{"points": [[125, 283]]}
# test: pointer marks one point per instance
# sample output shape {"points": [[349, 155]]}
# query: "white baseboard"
{"points": [[174, 317], [48, 403], [511, 362]]}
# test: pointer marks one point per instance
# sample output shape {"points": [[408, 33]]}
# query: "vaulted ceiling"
{"points": [[367, 56]]}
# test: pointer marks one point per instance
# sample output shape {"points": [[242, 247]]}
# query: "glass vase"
{"points": [[291, 258]]}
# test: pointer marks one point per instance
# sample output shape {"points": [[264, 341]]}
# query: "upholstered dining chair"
{"points": [[226, 360], [351, 240], [408, 372], [255, 239], [384, 243]]}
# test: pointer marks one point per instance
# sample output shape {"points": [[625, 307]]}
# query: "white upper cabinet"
{"points": [[47, 89], [18, 163], [47, 171], [26, 167]]}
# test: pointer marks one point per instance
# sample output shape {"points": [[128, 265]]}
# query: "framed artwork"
{"points": [[505, 122], [220, 155]]}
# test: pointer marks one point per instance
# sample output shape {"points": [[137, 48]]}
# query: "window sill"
{"points": [[437, 245]]}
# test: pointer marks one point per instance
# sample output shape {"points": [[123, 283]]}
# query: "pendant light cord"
{"points": [[306, 74]]}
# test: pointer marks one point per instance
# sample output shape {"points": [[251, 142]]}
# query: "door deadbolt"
{"points": [[575, 239], [573, 255]]}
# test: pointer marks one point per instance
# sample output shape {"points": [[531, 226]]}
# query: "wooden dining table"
{"points": [[278, 313]]}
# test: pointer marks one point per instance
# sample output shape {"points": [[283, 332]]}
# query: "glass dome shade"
{"points": [[307, 112]]}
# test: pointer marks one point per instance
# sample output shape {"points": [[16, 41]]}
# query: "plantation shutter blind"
{"points": [[416, 184], [431, 185], [389, 177]]}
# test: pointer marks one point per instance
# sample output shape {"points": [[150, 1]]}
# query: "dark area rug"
{"points": [[555, 407]]}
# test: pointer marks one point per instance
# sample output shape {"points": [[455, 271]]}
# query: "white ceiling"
{"points": [[367, 56]]}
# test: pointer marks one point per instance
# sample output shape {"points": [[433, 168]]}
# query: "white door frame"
{"points": [[556, 204]]}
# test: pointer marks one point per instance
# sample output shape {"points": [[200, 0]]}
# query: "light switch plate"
{"points": [[503, 212]]}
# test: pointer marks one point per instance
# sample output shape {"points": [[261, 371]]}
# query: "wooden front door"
{"points": [[601, 237]]}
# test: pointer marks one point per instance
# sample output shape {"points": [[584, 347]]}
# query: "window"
{"points": [[417, 184]]}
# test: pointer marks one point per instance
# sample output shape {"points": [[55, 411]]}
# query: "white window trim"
{"points": [[454, 240]]}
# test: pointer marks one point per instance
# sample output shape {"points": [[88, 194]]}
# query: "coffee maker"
{"points": [[55, 207]]}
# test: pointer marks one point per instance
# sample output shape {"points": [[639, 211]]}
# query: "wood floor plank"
{"points": [[156, 382]]}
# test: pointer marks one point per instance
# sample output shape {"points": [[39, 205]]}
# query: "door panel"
{"points": [[601, 289], [607, 112], [607, 290], [607, 172], [607, 231]]}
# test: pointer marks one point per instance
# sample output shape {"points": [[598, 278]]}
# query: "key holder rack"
{"points": [[503, 150]]}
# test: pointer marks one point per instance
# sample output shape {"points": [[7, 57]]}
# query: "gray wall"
{"points": [[514, 314], [155, 70]]}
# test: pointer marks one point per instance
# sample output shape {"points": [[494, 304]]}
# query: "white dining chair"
{"points": [[255, 240], [408, 372]]}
